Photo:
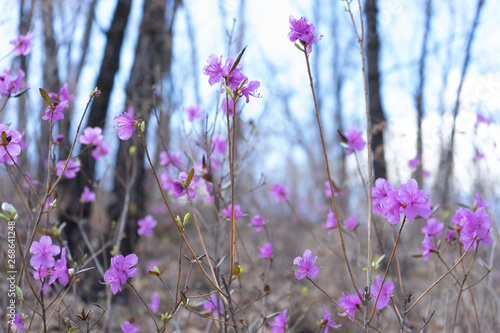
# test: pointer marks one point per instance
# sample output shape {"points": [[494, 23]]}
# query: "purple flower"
{"points": [[237, 212], [214, 69], [33, 181], [459, 217], [224, 107], [212, 307], [482, 119], [354, 139], [180, 187], [279, 323], [266, 251], [235, 77], [60, 270], [146, 226], [428, 246], [450, 235], [351, 222], [170, 160], [433, 229], [87, 195], [251, 90], [328, 191], [64, 94], [349, 303], [155, 302], [91, 136], [330, 223], [385, 202], [22, 44], [55, 113], [125, 123], [193, 112], [43, 252], [121, 269], [165, 181], [414, 162], [413, 201], [71, 170], [12, 142], [100, 150], [280, 191], [385, 294], [306, 266], [479, 156], [9, 86], [18, 322], [127, 327], [303, 31], [475, 225], [329, 321], [259, 222], [219, 144], [479, 202]]}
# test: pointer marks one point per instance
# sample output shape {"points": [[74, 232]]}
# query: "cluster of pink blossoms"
{"points": [[303, 31], [121, 269], [44, 264], [235, 80], [391, 202], [92, 136], [54, 112]]}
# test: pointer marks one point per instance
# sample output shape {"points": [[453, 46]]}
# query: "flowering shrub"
{"points": [[202, 259]]}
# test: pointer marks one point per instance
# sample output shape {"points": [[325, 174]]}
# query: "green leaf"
{"points": [[237, 60], [298, 46], [46, 97], [186, 219], [238, 270], [132, 150], [19, 292], [305, 291], [190, 177], [228, 91], [72, 329], [4, 136], [143, 126], [165, 317]]}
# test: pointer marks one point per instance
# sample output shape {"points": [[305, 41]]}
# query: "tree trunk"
{"points": [[376, 112], [152, 62]]}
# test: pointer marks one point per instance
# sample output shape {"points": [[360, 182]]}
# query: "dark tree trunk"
{"points": [[152, 61], [376, 112]]}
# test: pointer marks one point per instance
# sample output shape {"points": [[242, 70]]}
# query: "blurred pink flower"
{"points": [[87, 195], [125, 123], [127, 327], [193, 112], [155, 302], [266, 251], [433, 229], [22, 44], [212, 307], [330, 223], [279, 323], [71, 170], [91, 136], [100, 150], [258, 222], [9, 86], [330, 323], [354, 139], [351, 222], [237, 212], [428, 246], [10, 140], [280, 191], [349, 303], [146, 226]]}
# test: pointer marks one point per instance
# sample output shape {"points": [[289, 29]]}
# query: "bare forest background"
{"points": [[432, 67]]}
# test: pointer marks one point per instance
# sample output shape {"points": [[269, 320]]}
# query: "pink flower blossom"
{"points": [[219, 144], [354, 140], [235, 77], [180, 187], [303, 31], [121, 269], [328, 191], [22, 44], [193, 112], [170, 160], [60, 270], [251, 90], [128, 327], [266, 251], [213, 307], [155, 302], [349, 303], [9, 86], [480, 202], [475, 225], [43, 252], [330, 223], [71, 170], [91, 136], [306, 266], [18, 322], [428, 246], [215, 70], [125, 123], [280, 191], [433, 229], [385, 294], [32, 181], [330, 323], [413, 201], [63, 95], [10, 140], [55, 113], [258, 222], [146, 226], [279, 323], [87, 195], [224, 107], [237, 212], [351, 222], [100, 150], [414, 162], [482, 119]]}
